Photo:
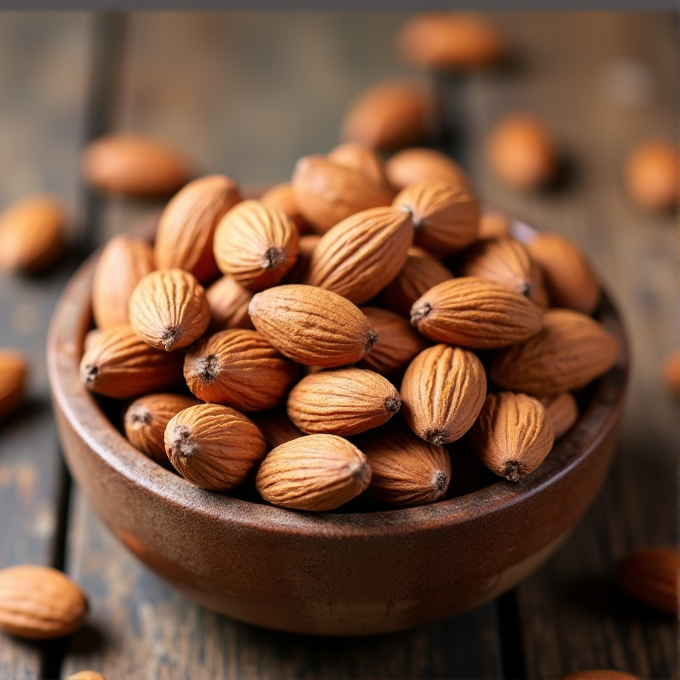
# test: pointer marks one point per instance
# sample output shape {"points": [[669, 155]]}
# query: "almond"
{"points": [[86, 675], [13, 369], [282, 197], [238, 368], [39, 603], [312, 326], [442, 393], [186, 228], [228, 301], [363, 159], [118, 364], [406, 470], [651, 174], [256, 245], [123, 263], [276, 427], [571, 350], [601, 674], [317, 473], [306, 247], [569, 278], [168, 309], [359, 256], [31, 234], [445, 215], [475, 313], [512, 435], [420, 272], [650, 575], [133, 165], [562, 410], [90, 338], [345, 401], [416, 165], [493, 224], [671, 373], [213, 446], [146, 419]]}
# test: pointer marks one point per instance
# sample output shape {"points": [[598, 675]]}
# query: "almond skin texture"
{"points": [[276, 427], [651, 174], [562, 410], [120, 365], [650, 575], [406, 470], [445, 216], [146, 419], [186, 228], [213, 446], [420, 272], [569, 278], [306, 247], [476, 313], [512, 435], [416, 165], [362, 254], [256, 245], [228, 301], [312, 326], [600, 674], [39, 603], [442, 393], [31, 234], [282, 197], [363, 159], [133, 165], [239, 368], [570, 350], [123, 263], [169, 310], [13, 370], [316, 473], [346, 401]]}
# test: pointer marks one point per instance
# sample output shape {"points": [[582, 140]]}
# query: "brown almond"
{"points": [[123, 263], [650, 575], [31, 234], [476, 313], [567, 353], [146, 419], [228, 301], [39, 602], [406, 470], [493, 224], [306, 247], [256, 245], [168, 309], [362, 254], [671, 373], [651, 174], [282, 197], [562, 410], [345, 401], [601, 674], [213, 446], [13, 370], [445, 216], [416, 165], [86, 675], [316, 473], [186, 228], [276, 427], [90, 338], [442, 393], [312, 326], [569, 278], [121, 365], [238, 368], [133, 165], [363, 159]]}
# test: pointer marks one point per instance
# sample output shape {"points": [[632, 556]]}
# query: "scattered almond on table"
{"points": [[13, 370], [650, 575], [651, 174]]}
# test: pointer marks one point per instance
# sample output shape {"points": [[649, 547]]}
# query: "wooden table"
{"points": [[247, 94]]}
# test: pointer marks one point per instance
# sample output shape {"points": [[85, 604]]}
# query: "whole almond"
{"points": [[345, 401], [359, 256], [168, 309], [228, 301], [312, 326], [39, 602], [399, 342], [13, 370], [570, 350], [601, 674], [445, 215], [420, 272], [256, 245], [123, 263], [562, 410], [133, 165], [671, 373], [650, 575], [363, 159], [406, 470], [238, 368], [306, 247], [119, 364], [493, 224], [213, 446], [276, 427], [316, 473], [569, 278], [651, 174], [31, 234], [442, 393], [476, 313], [416, 164], [282, 197], [512, 435], [186, 228], [146, 419]]}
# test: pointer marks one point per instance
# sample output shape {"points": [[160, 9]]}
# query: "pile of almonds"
{"points": [[338, 302]]}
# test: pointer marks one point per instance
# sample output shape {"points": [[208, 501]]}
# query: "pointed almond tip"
{"points": [[420, 311], [170, 338], [372, 339], [89, 373], [392, 404], [511, 471], [437, 437]]}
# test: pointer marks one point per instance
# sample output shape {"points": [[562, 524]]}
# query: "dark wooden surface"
{"points": [[247, 95]]}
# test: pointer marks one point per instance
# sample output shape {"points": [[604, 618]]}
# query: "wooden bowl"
{"points": [[329, 574]]}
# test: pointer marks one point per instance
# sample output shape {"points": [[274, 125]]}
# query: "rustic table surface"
{"points": [[247, 94]]}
